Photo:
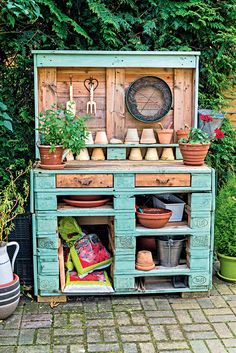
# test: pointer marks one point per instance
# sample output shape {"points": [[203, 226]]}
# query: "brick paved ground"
{"points": [[137, 324]]}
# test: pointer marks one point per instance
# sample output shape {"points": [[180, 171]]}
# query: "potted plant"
{"points": [[59, 129], [12, 201], [225, 230], [194, 148]]}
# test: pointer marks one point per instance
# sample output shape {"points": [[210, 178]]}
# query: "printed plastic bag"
{"points": [[88, 254]]}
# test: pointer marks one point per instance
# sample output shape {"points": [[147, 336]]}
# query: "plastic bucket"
{"points": [[169, 250]]}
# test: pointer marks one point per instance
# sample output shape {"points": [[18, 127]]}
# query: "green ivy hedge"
{"points": [[205, 25]]}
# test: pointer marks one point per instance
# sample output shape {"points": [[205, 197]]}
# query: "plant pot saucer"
{"points": [[77, 203], [52, 166], [225, 278]]}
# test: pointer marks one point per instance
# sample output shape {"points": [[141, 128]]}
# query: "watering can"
{"points": [[6, 267]]}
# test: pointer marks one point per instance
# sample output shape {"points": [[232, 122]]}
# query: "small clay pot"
{"points": [[164, 135], [101, 138], [144, 261], [97, 154], [194, 153], [50, 158], [135, 154], [182, 133], [167, 154], [146, 243], [151, 154], [132, 136], [148, 136], [89, 139], [154, 217], [83, 155]]}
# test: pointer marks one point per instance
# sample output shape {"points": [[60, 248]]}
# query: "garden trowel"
{"points": [[71, 105]]}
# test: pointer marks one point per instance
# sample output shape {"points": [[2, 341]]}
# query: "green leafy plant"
{"points": [[222, 154], [12, 202], [225, 220], [58, 126]]}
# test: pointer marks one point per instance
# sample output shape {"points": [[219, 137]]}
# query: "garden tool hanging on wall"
{"points": [[91, 84], [71, 105]]}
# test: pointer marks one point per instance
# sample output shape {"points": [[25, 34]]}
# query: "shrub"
{"points": [[225, 221], [222, 154]]}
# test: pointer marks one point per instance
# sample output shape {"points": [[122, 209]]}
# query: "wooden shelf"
{"points": [[163, 271], [129, 145], [66, 210], [172, 228]]}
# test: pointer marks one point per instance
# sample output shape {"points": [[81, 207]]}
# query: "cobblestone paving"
{"points": [[137, 324]]}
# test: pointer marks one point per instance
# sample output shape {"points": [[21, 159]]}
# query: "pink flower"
{"points": [[206, 118], [219, 134]]}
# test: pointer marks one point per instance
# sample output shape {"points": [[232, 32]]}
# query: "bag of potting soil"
{"points": [[88, 254], [95, 282], [85, 251]]}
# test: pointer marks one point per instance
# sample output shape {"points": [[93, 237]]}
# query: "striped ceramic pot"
{"points": [[9, 297]]}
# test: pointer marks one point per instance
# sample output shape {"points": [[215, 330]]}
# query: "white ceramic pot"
{"points": [[6, 267]]}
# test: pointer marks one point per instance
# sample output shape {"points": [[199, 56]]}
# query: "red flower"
{"points": [[219, 134], [205, 117]]}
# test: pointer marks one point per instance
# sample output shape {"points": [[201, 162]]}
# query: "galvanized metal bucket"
{"points": [[169, 250]]}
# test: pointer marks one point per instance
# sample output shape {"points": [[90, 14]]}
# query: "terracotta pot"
{"points": [[144, 261], [167, 154], [135, 154], [101, 138], [146, 243], [89, 139], [164, 135], [182, 133], [132, 136], [194, 154], [154, 217], [50, 158], [151, 154], [83, 155], [69, 156], [98, 154], [148, 136]]}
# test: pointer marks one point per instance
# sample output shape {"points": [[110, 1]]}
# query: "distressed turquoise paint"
{"points": [[201, 182], [45, 201], [123, 181], [201, 201], [114, 153], [124, 203]]}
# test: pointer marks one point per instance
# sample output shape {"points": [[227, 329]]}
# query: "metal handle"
{"points": [[15, 253], [163, 182], [85, 181]]}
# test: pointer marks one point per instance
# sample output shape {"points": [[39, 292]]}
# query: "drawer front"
{"points": [[162, 180], [84, 181]]}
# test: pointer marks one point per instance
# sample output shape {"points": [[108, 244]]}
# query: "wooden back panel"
{"points": [[112, 114]]}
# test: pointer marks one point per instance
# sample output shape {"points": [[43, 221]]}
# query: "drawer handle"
{"points": [[85, 181], [162, 182]]}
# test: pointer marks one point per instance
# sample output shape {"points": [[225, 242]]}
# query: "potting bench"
{"points": [[118, 177]]}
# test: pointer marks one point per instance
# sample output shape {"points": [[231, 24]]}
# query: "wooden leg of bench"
{"points": [[189, 295], [56, 299]]}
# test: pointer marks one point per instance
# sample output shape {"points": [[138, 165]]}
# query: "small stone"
{"points": [[115, 141]]}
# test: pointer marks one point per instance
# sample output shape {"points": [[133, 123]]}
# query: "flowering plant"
{"points": [[197, 135]]}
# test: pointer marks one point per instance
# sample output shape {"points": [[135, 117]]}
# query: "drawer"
{"points": [[163, 180], [84, 180]]}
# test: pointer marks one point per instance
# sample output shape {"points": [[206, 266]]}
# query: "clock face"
{"points": [[148, 99]]}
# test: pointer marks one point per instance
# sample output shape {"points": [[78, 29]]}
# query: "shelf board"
{"points": [[141, 145], [171, 228], [161, 271], [105, 210]]}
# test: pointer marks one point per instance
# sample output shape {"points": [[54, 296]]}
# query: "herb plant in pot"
{"points": [[59, 129], [225, 230], [12, 201], [194, 148]]}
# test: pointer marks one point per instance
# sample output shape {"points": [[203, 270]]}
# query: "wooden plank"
{"points": [[52, 299], [41, 89], [84, 180], [63, 89], [178, 99], [188, 107], [191, 295], [162, 180], [80, 74], [51, 87]]}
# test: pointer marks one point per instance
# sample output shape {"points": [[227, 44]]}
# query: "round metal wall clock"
{"points": [[148, 99]]}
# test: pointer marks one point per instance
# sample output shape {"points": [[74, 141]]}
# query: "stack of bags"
{"points": [[85, 258]]}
